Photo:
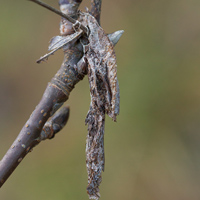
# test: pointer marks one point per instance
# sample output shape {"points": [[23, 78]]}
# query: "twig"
{"points": [[70, 19], [96, 9], [55, 124], [56, 93]]}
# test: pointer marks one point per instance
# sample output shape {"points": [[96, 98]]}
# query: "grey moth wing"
{"points": [[59, 42], [101, 56]]}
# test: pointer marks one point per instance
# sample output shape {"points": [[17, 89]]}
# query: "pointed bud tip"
{"points": [[114, 37]]}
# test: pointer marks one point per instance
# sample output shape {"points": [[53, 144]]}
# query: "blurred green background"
{"points": [[152, 152]]}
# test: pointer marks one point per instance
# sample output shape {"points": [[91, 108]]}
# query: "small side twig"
{"points": [[96, 9], [70, 19], [55, 124]]}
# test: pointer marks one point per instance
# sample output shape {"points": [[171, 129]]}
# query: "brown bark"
{"points": [[56, 93]]}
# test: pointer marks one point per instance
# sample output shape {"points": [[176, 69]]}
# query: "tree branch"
{"points": [[96, 9], [56, 93], [20, 147], [46, 120]]}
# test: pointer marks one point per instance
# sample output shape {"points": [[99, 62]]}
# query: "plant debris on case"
{"points": [[102, 75], [100, 65]]}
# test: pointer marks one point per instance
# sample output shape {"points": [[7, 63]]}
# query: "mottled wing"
{"points": [[56, 41], [59, 42], [107, 67], [104, 90]]}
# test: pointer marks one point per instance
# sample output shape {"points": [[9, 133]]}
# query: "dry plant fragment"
{"points": [[104, 91], [102, 69]]}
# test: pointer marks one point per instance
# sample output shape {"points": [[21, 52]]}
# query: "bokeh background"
{"points": [[152, 152]]}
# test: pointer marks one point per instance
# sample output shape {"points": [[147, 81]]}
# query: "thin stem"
{"points": [[96, 9], [70, 19]]}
